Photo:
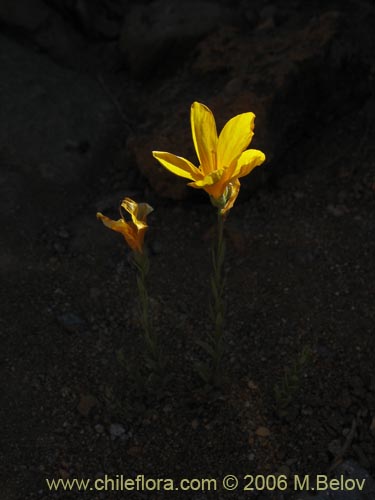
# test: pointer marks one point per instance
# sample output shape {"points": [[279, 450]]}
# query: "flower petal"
{"points": [[138, 211], [212, 183], [177, 165], [144, 209], [130, 206], [203, 129], [133, 237], [249, 159], [234, 138], [117, 225]]}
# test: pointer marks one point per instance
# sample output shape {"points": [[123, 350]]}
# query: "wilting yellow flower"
{"points": [[223, 159], [134, 230]]}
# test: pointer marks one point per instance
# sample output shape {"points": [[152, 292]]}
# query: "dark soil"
{"points": [[299, 396]]}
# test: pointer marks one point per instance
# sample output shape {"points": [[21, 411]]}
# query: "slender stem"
{"points": [[217, 287], [142, 264]]}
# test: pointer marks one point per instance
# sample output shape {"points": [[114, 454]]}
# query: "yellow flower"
{"points": [[223, 159], [134, 230]]}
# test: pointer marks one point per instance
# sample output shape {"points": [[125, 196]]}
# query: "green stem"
{"points": [[217, 287], [142, 264]]}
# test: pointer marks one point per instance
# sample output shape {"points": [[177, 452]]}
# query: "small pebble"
{"points": [[263, 432], [116, 431]]}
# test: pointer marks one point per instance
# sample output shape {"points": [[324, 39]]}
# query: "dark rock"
{"points": [[350, 470], [116, 431], [151, 31], [362, 458], [50, 31], [334, 447], [97, 20], [81, 35], [71, 322], [268, 11], [28, 15], [86, 404], [39, 175], [250, 14], [60, 41], [372, 426], [284, 79], [356, 382], [58, 117], [160, 180]]}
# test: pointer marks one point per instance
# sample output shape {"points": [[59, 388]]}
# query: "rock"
{"points": [[63, 233], [283, 470], [95, 293], [345, 401], [252, 385], [263, 432], [64, 30], [86, 403], [337, 210], [71, 322], [99, 428], [351, 470], [268, 11], [95, 19], [56, 117], [195, 424], [362, 458], [250, 14], [44, 26], [63, 43], [135, 451], [28, 15], [41, 117], [286, 80], [335, 447], [277, 85], [150, 31], [372, 426], [161, 181], [116, 431], [356, 382]]}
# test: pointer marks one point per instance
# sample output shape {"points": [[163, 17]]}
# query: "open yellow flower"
{"points": [[223, 159], [134, 230]]}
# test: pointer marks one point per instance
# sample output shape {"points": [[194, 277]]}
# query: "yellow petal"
{"points": [[203, 128], [249, 159], [138, 211], [133, 237], [136, 238], [212, 183], [129, 205], [117, 225], [177, 165], [234, 138], [144, 209]]}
